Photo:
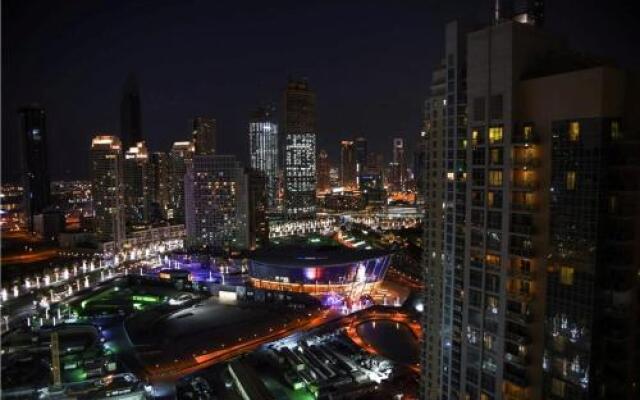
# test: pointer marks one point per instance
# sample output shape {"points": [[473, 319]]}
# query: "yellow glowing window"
{"points": [[566, 275], [527, 132], [495, 178], [490, 199], [571, 180], [495, 134], [574, 131], [493, 260], [475, 136]]}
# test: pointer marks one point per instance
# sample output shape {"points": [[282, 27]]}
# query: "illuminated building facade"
{"points": [[130, 113], [445, 215], [180, 158], [319, 270], [263, 150], [300, 175], [361, 157], [300, 150], [159, 178], [107, 188], [591, 319], [216, 198], [258, 206], [35, 171], [398, 167], [324, 178], [137, 184], [348, 165], [204, 135]]}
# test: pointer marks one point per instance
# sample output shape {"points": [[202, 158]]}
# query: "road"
{"points": [[202, 361]]}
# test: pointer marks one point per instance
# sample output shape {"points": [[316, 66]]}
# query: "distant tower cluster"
{"points": [[300, 150]]}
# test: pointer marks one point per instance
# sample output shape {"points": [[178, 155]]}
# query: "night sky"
{"points": [[368, 61]]}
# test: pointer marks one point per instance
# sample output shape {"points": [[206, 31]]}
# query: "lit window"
{"points": [[475, 136], [495, 178], [490, 199], [495, 135], [615, 130], [574, 131], [492, 260], [527, 132], [566, 275], [571, 180]]}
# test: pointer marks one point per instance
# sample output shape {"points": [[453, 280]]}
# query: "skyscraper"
{"points": [[107, 188], [216, 201], [585, 157], [180, 157], [444, 227], [263, 150], [159, 183], [348, 165], [361, 157], [130, 113], [35, 171], [204, 135], [257, 206], [324, 169], [300, 150], [503, 272], [398, 167], [137, 184]]}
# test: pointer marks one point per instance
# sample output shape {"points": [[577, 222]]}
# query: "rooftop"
{"points": [[295, 256]]}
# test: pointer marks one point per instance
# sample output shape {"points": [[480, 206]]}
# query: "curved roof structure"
{"points": [[310, 256]]}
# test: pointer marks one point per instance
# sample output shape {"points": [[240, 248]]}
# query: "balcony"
{"points": [[516, 359], [520, 273], [523, 297], [518, 338], [522, 229], [516, 375], [520, 138], [519, 317], [521, 184], [522, 251], [526, 162]]}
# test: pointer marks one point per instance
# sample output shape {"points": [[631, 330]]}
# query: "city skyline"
{"points": [[377, 228], [391, 107]]}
